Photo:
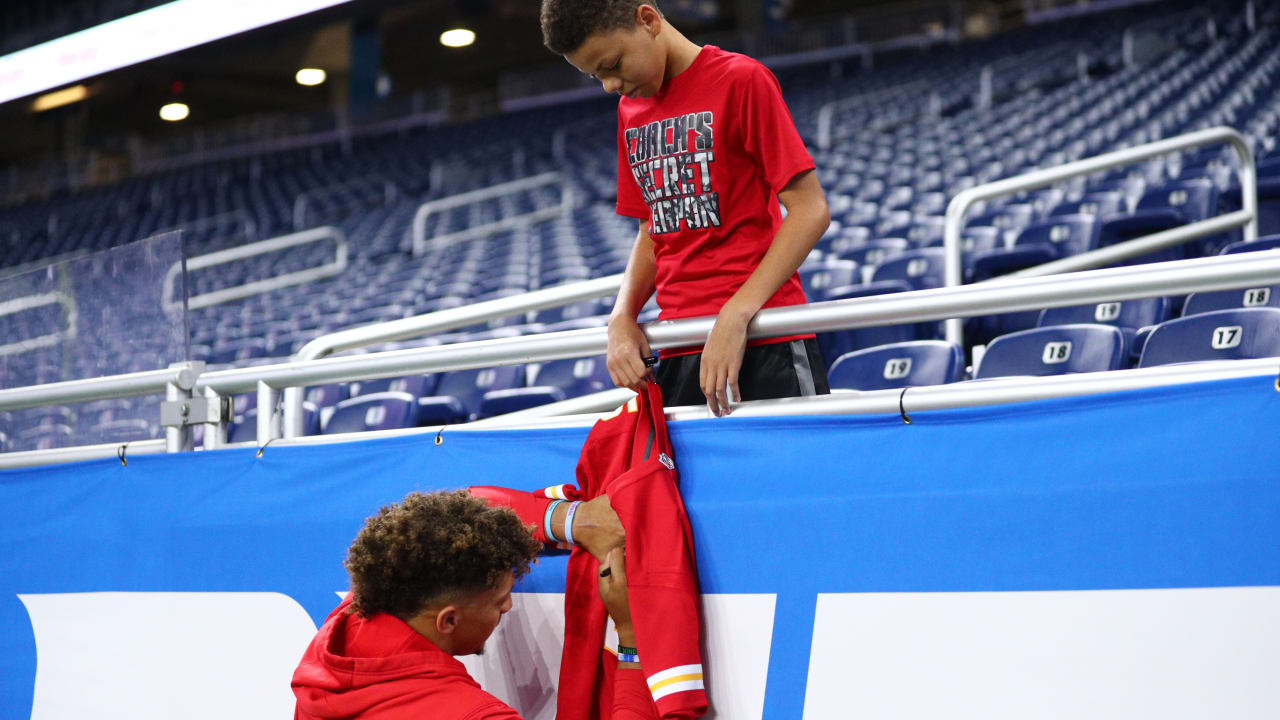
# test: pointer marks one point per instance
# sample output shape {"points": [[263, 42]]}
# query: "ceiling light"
{"points": [[173, 112], [58, 98], [310, 76], [457, 37]]}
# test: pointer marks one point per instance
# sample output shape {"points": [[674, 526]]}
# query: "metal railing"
{"points": [[1011, 295], [1246, 216], [1183, 276], [301, 203], [423, 325], [256, 287], [420, 240], [30, 302]]}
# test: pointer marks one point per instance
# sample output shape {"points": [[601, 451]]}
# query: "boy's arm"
{"points": [[807, 218], [627, 344]]}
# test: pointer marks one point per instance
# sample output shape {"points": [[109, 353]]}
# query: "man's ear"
{"points": [[447, 620]]}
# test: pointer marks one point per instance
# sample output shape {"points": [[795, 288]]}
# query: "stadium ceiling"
{"points": [[253, 73]]}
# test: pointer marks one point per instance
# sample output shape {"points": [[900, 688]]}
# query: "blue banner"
{"points": [[1162, 488]]}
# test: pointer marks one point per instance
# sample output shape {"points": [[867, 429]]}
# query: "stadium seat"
{"points": [[556, 380], [1220, 335], [1203, 302], [246, 429], [1039, 242], [460, 393], [379, 411], [836, 343], [1162, 208], [816, 279], [1056, 350], [920, 269], [1269, 242], [415, 385], [1096, 204], [121, 431], [925, 362], [1131, 316]]}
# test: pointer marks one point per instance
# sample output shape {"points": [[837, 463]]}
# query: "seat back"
{"points": [[469, 386], [378, 411], [1131, 314], [1194, 199], [921, 269], [817, 279], [576, 376], [909, 364], [1220, 335], [1203, 302], [1094, 204], [1070, 234], [1056, 350], [1270, 242], [876, 252], [415, 385]]}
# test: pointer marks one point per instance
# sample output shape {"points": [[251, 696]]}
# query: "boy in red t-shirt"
{"points": [[706, 149]]}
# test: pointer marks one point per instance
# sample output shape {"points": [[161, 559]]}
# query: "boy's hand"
{"points": [[625, 358], [613, 593], [722, 359]]}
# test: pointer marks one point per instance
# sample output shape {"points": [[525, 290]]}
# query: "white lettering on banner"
{"points": [[521, 664], [1100, 654], [162, 655]]}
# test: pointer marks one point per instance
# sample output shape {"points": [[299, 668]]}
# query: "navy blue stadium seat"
{"points": [[920, 269], [127, 430], [1040, 242], [816, 279], [555, 381], [460, 393], [1169, 206], [837, 343], [910, 364], [1268, 242], [1056, 350], [324, 396], [415, 385], [1220, 335], [585, 308], [1097, 204], [379, 411], [871, 254], [1203, 302], [1131, 316]]}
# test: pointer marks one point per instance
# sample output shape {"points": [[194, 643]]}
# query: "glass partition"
{"points": [[96, 315]]}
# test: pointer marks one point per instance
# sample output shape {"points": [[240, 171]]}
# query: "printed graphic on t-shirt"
{"points": [[671, 161]]}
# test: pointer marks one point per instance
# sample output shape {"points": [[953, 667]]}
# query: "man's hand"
{"points": [[627, 349], [597, 528], [722, 359]]}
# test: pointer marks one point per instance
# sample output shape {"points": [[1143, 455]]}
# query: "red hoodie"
{"points": [[379, 668]]}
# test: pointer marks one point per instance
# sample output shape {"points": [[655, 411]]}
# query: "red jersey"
{"points": [[703, 161], [629, 457]]}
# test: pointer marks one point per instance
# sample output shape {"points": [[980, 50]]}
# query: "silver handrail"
{"points": [[27, 302], [149, 382], [257, 287], [425, 210], [439, 321], [1247, 216], [389, 194], [1012, 295]]}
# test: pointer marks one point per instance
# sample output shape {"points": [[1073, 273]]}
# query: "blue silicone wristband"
{"points": [[628, 657], [568, 521], [546, 521]]}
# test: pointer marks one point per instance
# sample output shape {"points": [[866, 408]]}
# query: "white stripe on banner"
{"points": [[1178, 653]]}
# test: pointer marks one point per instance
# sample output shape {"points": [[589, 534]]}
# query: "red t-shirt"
{"points": [[703, 161]]}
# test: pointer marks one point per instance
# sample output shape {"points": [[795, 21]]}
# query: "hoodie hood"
{"points": [[375, 667]]}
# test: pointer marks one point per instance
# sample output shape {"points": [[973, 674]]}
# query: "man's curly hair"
{"points": [[432, 547], [566, 24]]}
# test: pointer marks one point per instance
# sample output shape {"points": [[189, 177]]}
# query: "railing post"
{"points": [[215, 433], [267, 429], [177, 412]]}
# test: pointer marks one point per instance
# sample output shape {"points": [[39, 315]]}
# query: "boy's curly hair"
{"points": [[431, 546], [566, 24]]}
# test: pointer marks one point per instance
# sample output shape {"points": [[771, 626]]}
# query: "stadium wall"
{"points": [[1107, 556]]}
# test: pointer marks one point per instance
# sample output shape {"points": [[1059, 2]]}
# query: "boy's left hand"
{"points": [[722, 359]]}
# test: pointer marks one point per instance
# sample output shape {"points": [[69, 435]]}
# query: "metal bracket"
{"points": [[194, 411]]}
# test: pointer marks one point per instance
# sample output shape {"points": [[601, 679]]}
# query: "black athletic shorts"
{"points": [[776, 370]]}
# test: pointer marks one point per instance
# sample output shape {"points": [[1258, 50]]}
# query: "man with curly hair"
{"points": [[431, 577], [706, 151]]}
